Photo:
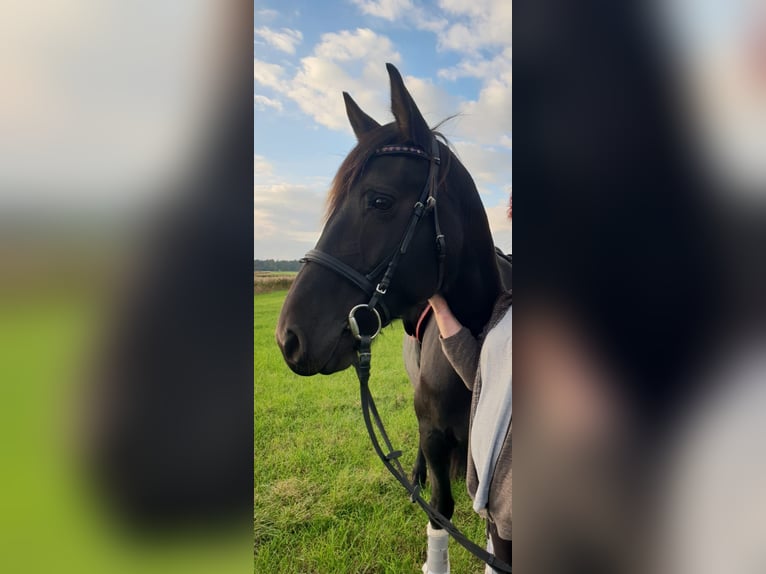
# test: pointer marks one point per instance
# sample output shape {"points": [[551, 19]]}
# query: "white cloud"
{"points": [[483, 68], [501, 226], [480, 30], [488, 119], [393, 10], [316, 89], [429, 23], [463, 26], [287, 215], [262, 168], [387, 9], [484, 23], [263, 226], [266, 14], [285, 39], [357, 45], [345, 61], [351, 61], [270, 75], [487, 166], [262, 102]]}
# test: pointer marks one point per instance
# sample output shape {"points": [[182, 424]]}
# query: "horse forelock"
{"points": [[353, 165]]}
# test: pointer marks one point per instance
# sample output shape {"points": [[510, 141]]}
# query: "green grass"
{"points": [[324, 503]]}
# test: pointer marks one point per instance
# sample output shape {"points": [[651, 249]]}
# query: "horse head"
{"points": [[394, 171]]}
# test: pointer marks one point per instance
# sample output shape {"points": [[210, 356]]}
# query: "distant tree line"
{"points": [[276, 265]]}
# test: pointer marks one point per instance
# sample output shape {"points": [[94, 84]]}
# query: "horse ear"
{"points": [[360, 122], [408, 117]]}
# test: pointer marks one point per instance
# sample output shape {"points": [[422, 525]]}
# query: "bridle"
{"points": [[380, 316], [369, 283]]}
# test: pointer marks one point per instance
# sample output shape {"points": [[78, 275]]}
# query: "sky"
{"points": [[455, 57]]}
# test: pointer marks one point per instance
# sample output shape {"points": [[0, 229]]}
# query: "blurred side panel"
{"points": [[126, 368], [640, 247]]}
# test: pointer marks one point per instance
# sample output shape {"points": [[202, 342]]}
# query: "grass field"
{"points": [[324, 503]]}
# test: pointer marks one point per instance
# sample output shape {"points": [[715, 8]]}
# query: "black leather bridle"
{"points": [[376, 308], [369, 283]]}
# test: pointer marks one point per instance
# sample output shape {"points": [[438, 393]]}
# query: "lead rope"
{"points": [[391, 460]]}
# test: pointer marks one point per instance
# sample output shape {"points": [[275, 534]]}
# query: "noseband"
{"points": [[369, 283], [366, 327]]}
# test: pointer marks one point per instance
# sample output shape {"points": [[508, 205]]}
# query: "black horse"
{"points": [[442, 401], [370, 204]]}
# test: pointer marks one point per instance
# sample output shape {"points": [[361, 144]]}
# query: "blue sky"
{"points": [[455, 56]]}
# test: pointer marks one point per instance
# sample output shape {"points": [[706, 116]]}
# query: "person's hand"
{"points": [[438, 303], [448, 324]]}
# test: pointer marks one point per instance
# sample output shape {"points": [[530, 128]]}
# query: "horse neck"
{"points": [[472, 294]]}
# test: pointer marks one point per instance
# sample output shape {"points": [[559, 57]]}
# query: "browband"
{"points": [[406, 150]]}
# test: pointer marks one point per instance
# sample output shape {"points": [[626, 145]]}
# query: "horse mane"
{"points": [[353, 166]]}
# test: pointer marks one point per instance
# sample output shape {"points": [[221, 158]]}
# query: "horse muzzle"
{"points": [[305, 359]]}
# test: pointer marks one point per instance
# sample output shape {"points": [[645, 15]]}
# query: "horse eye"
{"points": [[382, 203]]}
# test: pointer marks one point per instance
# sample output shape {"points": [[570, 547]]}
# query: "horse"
{"points": [[368, 228], [442, 401]]}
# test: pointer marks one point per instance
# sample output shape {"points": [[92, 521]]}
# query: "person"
{"points": [[485, 365]]}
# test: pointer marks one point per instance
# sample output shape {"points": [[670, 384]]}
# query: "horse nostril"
{"points": [[291, 346]]}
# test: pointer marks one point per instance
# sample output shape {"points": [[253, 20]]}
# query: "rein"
{"points": [[391, 461], [378, 315]]}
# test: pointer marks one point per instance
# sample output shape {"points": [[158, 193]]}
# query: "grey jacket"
{"points": [[463, 350]]}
